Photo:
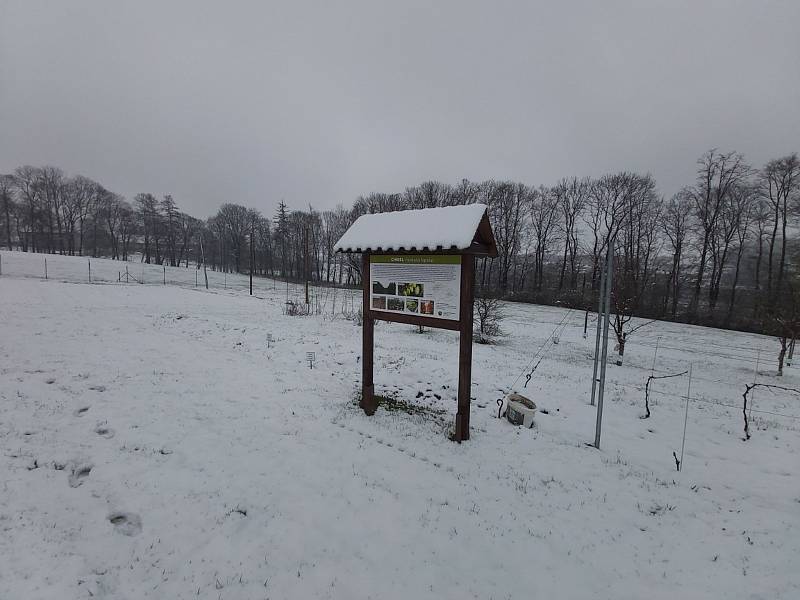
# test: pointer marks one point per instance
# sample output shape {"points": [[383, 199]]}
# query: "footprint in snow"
{"points": [[81, 411], [78, 474], [104, 430], [97, 388], [126, 523]]}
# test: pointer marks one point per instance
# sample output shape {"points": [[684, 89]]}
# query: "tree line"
{"points": [[719, 252]]}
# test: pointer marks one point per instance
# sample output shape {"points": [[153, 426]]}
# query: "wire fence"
{"points": [[723, 369], [334, 301], [322, 299]]}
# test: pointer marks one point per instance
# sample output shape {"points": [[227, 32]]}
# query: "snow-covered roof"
{"points": [[428, 229]]}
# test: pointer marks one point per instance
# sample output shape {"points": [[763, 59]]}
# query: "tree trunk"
{"points": [[7, 211], [563, 265], [733, 286], [782, 263], [770, 253], [781, 355], [621, 344], [695, 303]]}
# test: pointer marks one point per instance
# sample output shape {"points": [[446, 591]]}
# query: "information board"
{"points": [[421, 285]]}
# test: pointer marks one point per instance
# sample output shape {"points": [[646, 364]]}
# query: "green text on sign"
{"points": [[416, 259]]}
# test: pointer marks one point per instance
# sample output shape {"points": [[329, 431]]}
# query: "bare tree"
{"points": [[780, 180], [571, 195], [6, 192], [741, 216], [507, 205], [675, 226], [544, 218], [169, 210], [52, 186], [428, 194], [147, 210], [607, 210], [716, 174], [783, 320], [28, 185], [489, 316]]}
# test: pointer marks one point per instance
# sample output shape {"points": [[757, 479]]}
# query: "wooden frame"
{"points": [[482, 244], [463, 326]]}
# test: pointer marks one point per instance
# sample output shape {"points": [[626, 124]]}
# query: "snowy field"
{"points": [[153, 446]]}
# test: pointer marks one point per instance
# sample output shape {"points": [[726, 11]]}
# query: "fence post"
{"points": [[655, 355], [165, 275], [45, 268], [127, 278], [90, 270], [1, 265], [686, 416], [195, 278], [604, 350], [755, 378]]}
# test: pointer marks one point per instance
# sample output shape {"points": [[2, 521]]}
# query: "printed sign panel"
{"points": [[421, 285]]}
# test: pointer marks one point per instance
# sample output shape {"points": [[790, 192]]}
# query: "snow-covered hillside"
{"points": [[153, 446]]}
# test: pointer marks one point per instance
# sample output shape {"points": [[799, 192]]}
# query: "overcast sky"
{"points": [[316, 103]]}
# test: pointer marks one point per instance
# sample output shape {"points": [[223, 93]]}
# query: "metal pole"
{"points": [[686, 416], [585, 323], [655, 354], [90, 270], [1, 265], [164, 267], [600, 299], [45, 268], [753, 391], [604, 353]]}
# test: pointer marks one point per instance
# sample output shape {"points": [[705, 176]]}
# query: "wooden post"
{"points": [[367, 340], [465, 348]]}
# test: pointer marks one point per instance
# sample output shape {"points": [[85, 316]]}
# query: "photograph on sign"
{"points": [[424, 285]]}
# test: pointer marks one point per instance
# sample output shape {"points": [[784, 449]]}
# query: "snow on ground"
{"points": [[154, 447]]}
